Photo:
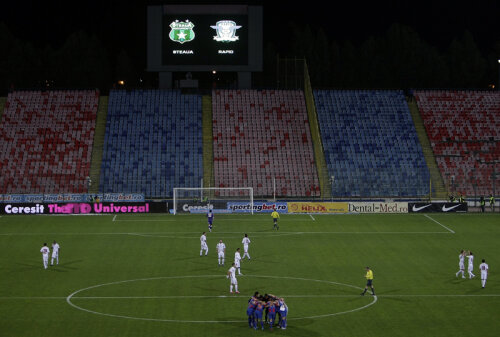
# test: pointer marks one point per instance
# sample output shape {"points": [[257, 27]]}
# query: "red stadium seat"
{"points": [[264, 141], [464, 130], [43, 143]]}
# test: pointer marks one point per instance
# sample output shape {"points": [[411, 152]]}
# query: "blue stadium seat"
{"points": [[153, 141], [370, 142]]}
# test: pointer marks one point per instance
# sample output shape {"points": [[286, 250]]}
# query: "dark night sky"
{"points": [[121, 25]]}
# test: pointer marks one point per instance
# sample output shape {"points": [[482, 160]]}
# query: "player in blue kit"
{"points": [[210, 218], [259, 309], [252, 303], [266, 298], [283, 310], [271, 312]]}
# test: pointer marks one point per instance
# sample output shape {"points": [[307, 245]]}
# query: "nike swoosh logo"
{"points": [[446, 209], [416, 209]]}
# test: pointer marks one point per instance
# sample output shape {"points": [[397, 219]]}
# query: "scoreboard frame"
{"points": [[156, 37]]}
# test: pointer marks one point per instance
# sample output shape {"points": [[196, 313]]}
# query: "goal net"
{"points": [[218, 199]]}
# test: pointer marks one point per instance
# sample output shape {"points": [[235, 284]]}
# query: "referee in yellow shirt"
{"points": [[369, 281], [275, 215]]}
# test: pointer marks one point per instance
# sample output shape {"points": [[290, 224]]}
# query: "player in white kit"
{"points": [[55, 253], [237, 259], [483, 267], [470, 266], [221, 252], [461, 264], [245, 242], [204, 246], [231, 273], [45, 255]]}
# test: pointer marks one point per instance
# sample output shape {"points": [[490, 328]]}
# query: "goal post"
{"points": [[201, 199]]}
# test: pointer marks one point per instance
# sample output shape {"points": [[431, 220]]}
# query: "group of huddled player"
{"points": [[268, 306]]}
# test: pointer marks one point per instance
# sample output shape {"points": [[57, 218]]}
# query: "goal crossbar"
{"points": [[214, 189]]}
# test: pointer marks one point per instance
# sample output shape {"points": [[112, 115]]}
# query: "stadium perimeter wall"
{"points": [[189, 207]]}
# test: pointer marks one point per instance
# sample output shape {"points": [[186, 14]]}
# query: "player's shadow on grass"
{"points": [[296, 328], [208, 290], [387, 292], [478, 290], [188, 258], [397, 299], [66, 265], [458, 280], [29, 265]]}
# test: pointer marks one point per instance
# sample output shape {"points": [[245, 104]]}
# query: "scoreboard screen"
{"points": [[204, 37]]}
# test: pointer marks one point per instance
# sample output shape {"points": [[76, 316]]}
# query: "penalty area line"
{"points": [[440, 224], [312, 217]]}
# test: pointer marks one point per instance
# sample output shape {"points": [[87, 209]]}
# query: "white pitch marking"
{"points": [[237, 296], [263, 232], [146, 220], [450, 295], [170, 219], [440, 224], [312, 217], [71, 296], [196, 237], [32, 298]]}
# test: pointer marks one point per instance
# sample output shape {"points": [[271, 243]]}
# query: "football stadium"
{"points": [[178, 170]]}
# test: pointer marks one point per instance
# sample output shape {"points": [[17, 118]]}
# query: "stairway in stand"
{"points": [[100, 130], [3, 100], [208, 152], [438, 187]]}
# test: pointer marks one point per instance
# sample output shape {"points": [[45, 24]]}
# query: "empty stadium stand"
{"points": [[153, 142], [464, 130], [262, 138], [46, 141], [370, 143]]}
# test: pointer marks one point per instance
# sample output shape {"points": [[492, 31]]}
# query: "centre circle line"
{"points": [[72, 296]]}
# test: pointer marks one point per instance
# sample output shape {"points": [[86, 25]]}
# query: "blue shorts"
{"points": [[210, 221], [250, 312], [369, 283], [283, 313], [272, 317], [258, 314]]}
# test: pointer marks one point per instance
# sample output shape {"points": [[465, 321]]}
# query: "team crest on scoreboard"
{"points": [[226, 31], [181, 31]]}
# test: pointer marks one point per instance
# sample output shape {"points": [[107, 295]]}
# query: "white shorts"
{"points": [[204, 246], [221, 254], [55, 255], [237, 264], [234, 280], [484, 276], [245, 248], [461, 266], [470, 267], [45, 257]]}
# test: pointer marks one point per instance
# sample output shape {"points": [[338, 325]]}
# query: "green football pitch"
{"points": [[142, 275]]}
